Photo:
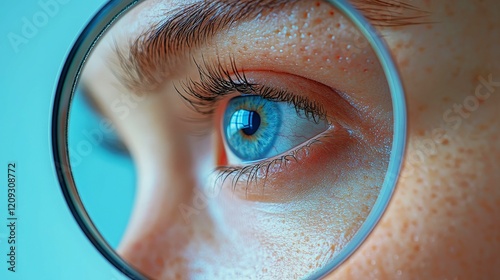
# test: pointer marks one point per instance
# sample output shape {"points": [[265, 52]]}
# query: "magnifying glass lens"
{"points": [[229, 139]]}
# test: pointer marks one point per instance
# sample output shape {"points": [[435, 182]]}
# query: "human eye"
{"points": [[257, 124], [257, 129]]}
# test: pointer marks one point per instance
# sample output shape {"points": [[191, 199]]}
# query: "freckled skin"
{"points": [[442, 222]]}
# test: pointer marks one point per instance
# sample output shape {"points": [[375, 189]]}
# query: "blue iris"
{"points": [[251, 123], [256, 128]]}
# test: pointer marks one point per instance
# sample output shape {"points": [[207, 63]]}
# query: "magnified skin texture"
{"points": [[441, 223], [443, 220], [294, 215]]}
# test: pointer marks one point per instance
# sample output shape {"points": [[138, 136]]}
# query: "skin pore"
{"points": [[441, 223]]}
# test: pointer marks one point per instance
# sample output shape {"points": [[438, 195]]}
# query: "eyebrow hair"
{"points": [[190, 26]]}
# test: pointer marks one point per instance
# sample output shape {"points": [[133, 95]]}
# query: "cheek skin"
{"points": [[300, 236], [443, 221], [304, 232]]}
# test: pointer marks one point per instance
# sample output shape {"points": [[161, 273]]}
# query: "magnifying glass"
{"points": [[228, 139]]}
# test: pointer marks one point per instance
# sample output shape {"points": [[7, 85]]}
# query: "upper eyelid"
{"points": [[216, 81], [163, 44]]}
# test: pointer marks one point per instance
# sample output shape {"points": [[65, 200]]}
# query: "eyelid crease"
{"points": [[148, 57]]}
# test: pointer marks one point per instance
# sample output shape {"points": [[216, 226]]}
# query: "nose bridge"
{"points": [[157, 231]]}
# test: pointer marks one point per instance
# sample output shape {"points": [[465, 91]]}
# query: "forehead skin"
{"points": [[443, 222]]}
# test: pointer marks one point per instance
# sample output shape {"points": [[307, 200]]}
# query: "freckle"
{"points": [[449, 10], [445, 142], [482, 127], [485, 205], [337, 25], [305, 15], [446, 99], [416, 248], [433, 195], [318, 4], [332, 13], [429, 26], [452, 201], [420, 132], [318, 21], [428, 69], [422, 108], [421, 49], [420, 180], [405, 62], [405, 227]]}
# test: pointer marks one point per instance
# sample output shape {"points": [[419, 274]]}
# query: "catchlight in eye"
{"points": [[256, 128]]}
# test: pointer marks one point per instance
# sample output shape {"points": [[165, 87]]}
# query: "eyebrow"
{"points": [[145, 61]]}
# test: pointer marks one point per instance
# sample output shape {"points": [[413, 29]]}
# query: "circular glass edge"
{"points": [[99, 24], [399, 135], [66, 86]]}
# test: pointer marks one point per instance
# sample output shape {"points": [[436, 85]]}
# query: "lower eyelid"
{"points": [[267, 180]]}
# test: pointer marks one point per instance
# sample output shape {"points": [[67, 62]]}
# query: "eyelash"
{"points": [[254, 172], [215, 83]]}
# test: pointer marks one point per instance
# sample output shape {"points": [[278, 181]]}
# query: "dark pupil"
{"points": [[252, 123]]}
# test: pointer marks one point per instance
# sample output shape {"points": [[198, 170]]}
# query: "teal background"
{"points": [[50, 244]]}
